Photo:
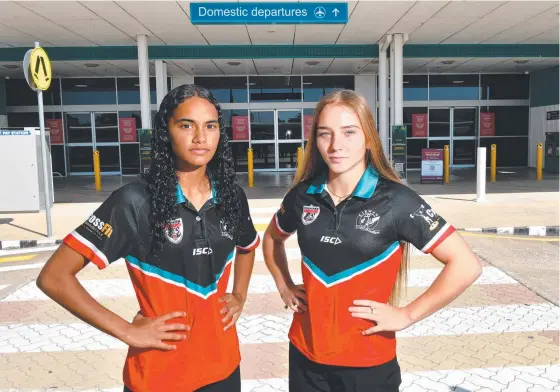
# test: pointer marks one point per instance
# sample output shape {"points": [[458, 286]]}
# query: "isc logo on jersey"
{"points": [[104, 228], [202, 251], [331, 240]]}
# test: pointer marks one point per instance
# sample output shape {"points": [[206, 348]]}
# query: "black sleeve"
{"points": [[107, 235], [416, 222], [248, 238], [285, 218]]}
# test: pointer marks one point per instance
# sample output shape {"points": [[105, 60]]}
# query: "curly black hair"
{"points": [[162, 179]]}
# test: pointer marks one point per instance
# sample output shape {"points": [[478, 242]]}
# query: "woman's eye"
{"points": [[323, 134], [349, 133]]}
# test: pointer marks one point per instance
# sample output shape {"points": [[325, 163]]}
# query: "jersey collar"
{"points": [[364, 190]]}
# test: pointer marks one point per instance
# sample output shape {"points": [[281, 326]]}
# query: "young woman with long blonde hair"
{"points": [[354, 220]]}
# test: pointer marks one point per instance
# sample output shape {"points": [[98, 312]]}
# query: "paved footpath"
{"points": [[498, 336]]}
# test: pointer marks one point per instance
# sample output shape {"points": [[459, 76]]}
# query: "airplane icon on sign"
{"points": [[320, 12]]}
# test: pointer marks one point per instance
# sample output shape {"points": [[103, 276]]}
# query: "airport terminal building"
{"points": [[458, 73]]}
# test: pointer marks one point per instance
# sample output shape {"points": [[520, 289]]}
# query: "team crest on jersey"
{"points": [[429, 216], [310, 213], [368, 220], [224, 229], [174, 230]]}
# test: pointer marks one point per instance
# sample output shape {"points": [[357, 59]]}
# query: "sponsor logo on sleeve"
{"points": [[429, 216], [98, 227]]}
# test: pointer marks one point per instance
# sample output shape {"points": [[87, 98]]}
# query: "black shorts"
{"points": [[309, 376], [230, 384]]}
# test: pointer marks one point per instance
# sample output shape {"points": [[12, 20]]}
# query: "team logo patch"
{"points": [[429, 216], [368, 220], [174, 230], [310, 213], [224, 229]]}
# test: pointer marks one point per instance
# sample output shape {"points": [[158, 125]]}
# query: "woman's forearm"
{"points": [[275, 258], [243, 268]]}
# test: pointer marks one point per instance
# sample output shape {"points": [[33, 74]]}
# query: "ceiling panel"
{"points": [[436, 65], [301, 66], [475, 65], [500, 20], [548, 37], [410, 65], [175, 70], [317, 34], [198, 67], [417, 15], [529, 28], [245, 66], [7, 69], [371, 20], [512, 65], [173, 29], [273, 66], [344, 65], [271, 34], [232, 35], [14, 37]]}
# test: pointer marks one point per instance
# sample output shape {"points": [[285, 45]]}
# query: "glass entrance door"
{"points": [[87, 132], [275, 137], [457, 128]]}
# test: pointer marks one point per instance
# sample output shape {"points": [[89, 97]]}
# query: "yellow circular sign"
{"points": [[40, 69]]}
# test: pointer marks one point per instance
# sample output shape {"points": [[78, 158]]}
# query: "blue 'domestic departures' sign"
{"points": [[269, 13]]}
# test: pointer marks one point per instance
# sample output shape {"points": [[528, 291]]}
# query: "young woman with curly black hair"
{"points": [[177, 227]]}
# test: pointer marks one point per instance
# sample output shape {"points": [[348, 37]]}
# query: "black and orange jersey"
{"points": [[352, 251], [190, 274]]}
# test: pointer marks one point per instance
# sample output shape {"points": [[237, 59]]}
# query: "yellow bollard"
{"points": [[493, 162], [446, 164], [250, 173], [97, 170], [539, 161], [299, 156]]}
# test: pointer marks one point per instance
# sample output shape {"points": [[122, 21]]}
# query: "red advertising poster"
{"points": [[240, 125], [55, 128], [420, 125], [127, 129], [432, 165], [487, 124], [307, 124]]}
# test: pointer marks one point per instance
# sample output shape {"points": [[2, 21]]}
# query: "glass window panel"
{"points": [[128, 91], [106, 127], [20, 120], [288, 155], [262, 125], [507, 86], [509, 120], [465, 122], [454, 87], [414, 152], [415, 87], [18, 93], [511, 151], [136, 115], [89, 91], [289, 124], [438, 143], [264, 156], [239, 152], [109, 158], [464, 152], [275, 88], [78, 128], [314, 87], [57, 156], [80, 159], [225, 89], [130, 158], [439, 123]]}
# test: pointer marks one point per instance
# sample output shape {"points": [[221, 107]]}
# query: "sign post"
{"points": [[398, 150], [37, 64], [145, 136]]}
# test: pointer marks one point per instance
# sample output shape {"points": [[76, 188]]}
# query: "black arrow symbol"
{"points": [[41, 61]]}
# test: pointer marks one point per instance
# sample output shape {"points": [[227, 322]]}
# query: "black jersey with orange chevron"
{"points": [[190, 274], [352, 251]]}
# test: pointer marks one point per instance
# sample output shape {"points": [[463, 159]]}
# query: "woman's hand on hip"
{"points": [[385, 316], [232, 309], [149, 333]]}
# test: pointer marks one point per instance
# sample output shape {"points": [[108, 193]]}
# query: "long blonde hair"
{"points": [[313, 163]]}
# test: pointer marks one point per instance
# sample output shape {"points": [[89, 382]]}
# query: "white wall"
{"points": [[180, 80], [538, 126], [365, 85]]}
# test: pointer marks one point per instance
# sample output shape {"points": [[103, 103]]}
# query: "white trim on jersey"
{"points": [[92, 247], [250, 245], [441, 232], [284, 232]]}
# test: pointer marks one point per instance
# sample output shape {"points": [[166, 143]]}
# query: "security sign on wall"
{"points": [[37, 68]]}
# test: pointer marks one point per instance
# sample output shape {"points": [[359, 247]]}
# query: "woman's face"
{"points": [[340, 138], [195, 132]]}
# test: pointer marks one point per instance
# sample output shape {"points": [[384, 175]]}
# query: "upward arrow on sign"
{"points": [[335, 12]]}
